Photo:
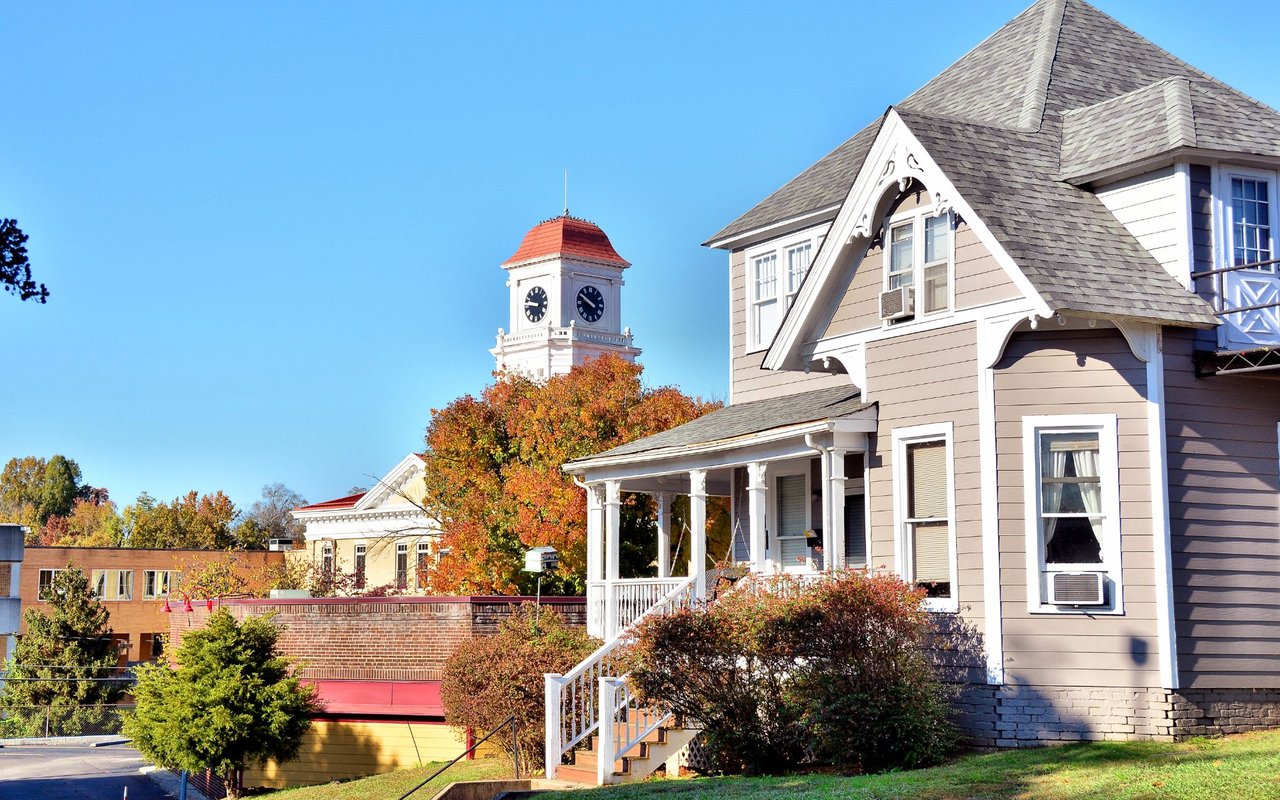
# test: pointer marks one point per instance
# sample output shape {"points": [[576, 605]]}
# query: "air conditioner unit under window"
{"points": [[898, 303], [1077, 588]]}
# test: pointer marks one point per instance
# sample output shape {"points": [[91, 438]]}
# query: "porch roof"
{"points": [[737, 422]]}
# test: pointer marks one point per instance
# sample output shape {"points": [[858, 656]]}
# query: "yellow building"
{"points": [[380, 538]]}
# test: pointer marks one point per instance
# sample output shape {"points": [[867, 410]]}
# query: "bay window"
{"points": [[766, 312], [1071, 480], [924, 507]]}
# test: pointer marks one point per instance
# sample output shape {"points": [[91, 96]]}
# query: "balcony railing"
{"points": [[1247, 299]]}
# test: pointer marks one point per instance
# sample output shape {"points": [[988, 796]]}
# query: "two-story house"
{"points": [[1014, 341]]}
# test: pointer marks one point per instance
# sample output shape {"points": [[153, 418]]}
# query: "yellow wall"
{"points": [[380, 557], [336, 750]]}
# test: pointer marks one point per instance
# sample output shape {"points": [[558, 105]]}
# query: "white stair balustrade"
{"points": [[572, 700]]}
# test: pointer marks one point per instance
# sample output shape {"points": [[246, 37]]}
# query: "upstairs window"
{"points": [[361, 550], [326, 559], [917, 255], [765, 311], [45, 585], [156, 583], [775, 272], [1251, 221], [113, 584], [424, 561]]}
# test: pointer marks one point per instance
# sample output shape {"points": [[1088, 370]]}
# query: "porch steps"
{"points": [[637, 764]]}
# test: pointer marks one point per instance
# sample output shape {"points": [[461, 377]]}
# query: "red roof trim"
{"points": [[567, 236], [342, 502]]}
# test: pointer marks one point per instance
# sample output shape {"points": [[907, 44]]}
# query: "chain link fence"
{"points": [[38, 722]]}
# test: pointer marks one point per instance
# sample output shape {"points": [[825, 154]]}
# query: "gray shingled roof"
{"points": [[1054, 68], [1081, 257], [745, 419], [1160, 117]]}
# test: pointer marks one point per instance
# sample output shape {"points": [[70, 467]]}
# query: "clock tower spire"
{"points": [[565, 284]]}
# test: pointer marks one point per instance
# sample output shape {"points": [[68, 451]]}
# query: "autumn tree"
{"points": [[494, 475], [197, 521], [44, 494], [15, 268]]}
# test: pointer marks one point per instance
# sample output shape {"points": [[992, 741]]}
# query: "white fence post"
{"points": [[551, 706], [608, 704]]}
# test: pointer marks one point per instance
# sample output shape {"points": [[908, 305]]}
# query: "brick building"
{"points": [[133, 584], [377, 664]]}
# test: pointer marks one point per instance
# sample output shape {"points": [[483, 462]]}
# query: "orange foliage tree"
{"points": [[493, 472]]}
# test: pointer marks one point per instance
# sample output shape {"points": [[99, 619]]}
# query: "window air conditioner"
{"points": [[1077, 589], [279, 545], [898, 303]]}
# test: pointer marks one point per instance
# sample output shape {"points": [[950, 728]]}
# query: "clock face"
{"points": [[590, 303], [535, 304]]}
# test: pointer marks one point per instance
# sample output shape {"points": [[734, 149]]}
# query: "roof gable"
{"points": [[1057, 56]]}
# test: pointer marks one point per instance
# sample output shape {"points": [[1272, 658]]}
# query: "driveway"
{"points": [[56, 772]]}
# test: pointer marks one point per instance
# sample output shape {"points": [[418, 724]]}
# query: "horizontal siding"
{"points": [[334, 750], [1224, 507], [1150, 207], [919, 379], [1076, 372], [747, 380]]}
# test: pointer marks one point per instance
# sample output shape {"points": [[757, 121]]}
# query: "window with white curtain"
{"points": [[1071, 478], [924, 505], [917, 253]]}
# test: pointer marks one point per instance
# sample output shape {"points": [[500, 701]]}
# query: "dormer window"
{"points": [[917, 263], [774, 274]]}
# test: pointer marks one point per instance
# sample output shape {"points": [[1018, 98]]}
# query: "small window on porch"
{"points": [[793, 520]]}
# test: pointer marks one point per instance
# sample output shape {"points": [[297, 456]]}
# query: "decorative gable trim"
{"points": [[389, 485], [896, 157]]}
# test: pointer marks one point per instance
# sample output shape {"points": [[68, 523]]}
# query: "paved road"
{"points": [[48, 772]]}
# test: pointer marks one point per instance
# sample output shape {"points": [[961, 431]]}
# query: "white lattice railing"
{"points": [[573, 699]]}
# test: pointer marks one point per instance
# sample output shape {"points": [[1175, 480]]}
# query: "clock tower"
{"points": [[565, 284]]}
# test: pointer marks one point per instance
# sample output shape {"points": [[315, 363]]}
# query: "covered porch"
{"points": [[793, 469]]}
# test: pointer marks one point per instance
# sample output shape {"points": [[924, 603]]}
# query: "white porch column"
{"points": [[595, 534], [757, 502], [824, 463], [613, 528], [836, 500], [698, 530], [664, 534]]}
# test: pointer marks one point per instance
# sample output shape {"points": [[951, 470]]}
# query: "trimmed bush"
{"points": [[490, 678], [834, 673]]}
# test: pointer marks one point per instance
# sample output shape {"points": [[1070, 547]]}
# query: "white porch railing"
{"points": [[625, 728], [572, 700], [613, 606]]}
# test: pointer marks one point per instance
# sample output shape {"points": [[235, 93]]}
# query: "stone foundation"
{"points": [[1030, 716]]}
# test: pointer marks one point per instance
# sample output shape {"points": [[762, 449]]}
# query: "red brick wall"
{"points": [[375, 639]]}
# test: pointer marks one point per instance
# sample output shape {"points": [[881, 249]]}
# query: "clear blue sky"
{"points": [[272, 231]]}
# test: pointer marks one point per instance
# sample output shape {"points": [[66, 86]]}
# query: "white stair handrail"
{"points": [[571, 702]]}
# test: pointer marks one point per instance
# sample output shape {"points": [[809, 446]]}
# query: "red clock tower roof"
{"points": [[567, 236]]}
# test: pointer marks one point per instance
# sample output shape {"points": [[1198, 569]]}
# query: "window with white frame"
{"points": [[1251, 218], [917, 254], [424, 561], [775, 272], [326, 559], [44, 588], [1071, 482], [156, 583], [113, 584], [924, 504], [402, 565], [361, 551], [791, 495]]}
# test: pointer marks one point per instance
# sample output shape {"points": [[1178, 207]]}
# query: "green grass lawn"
{"points": [[1234, 768], [391, 785]]}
